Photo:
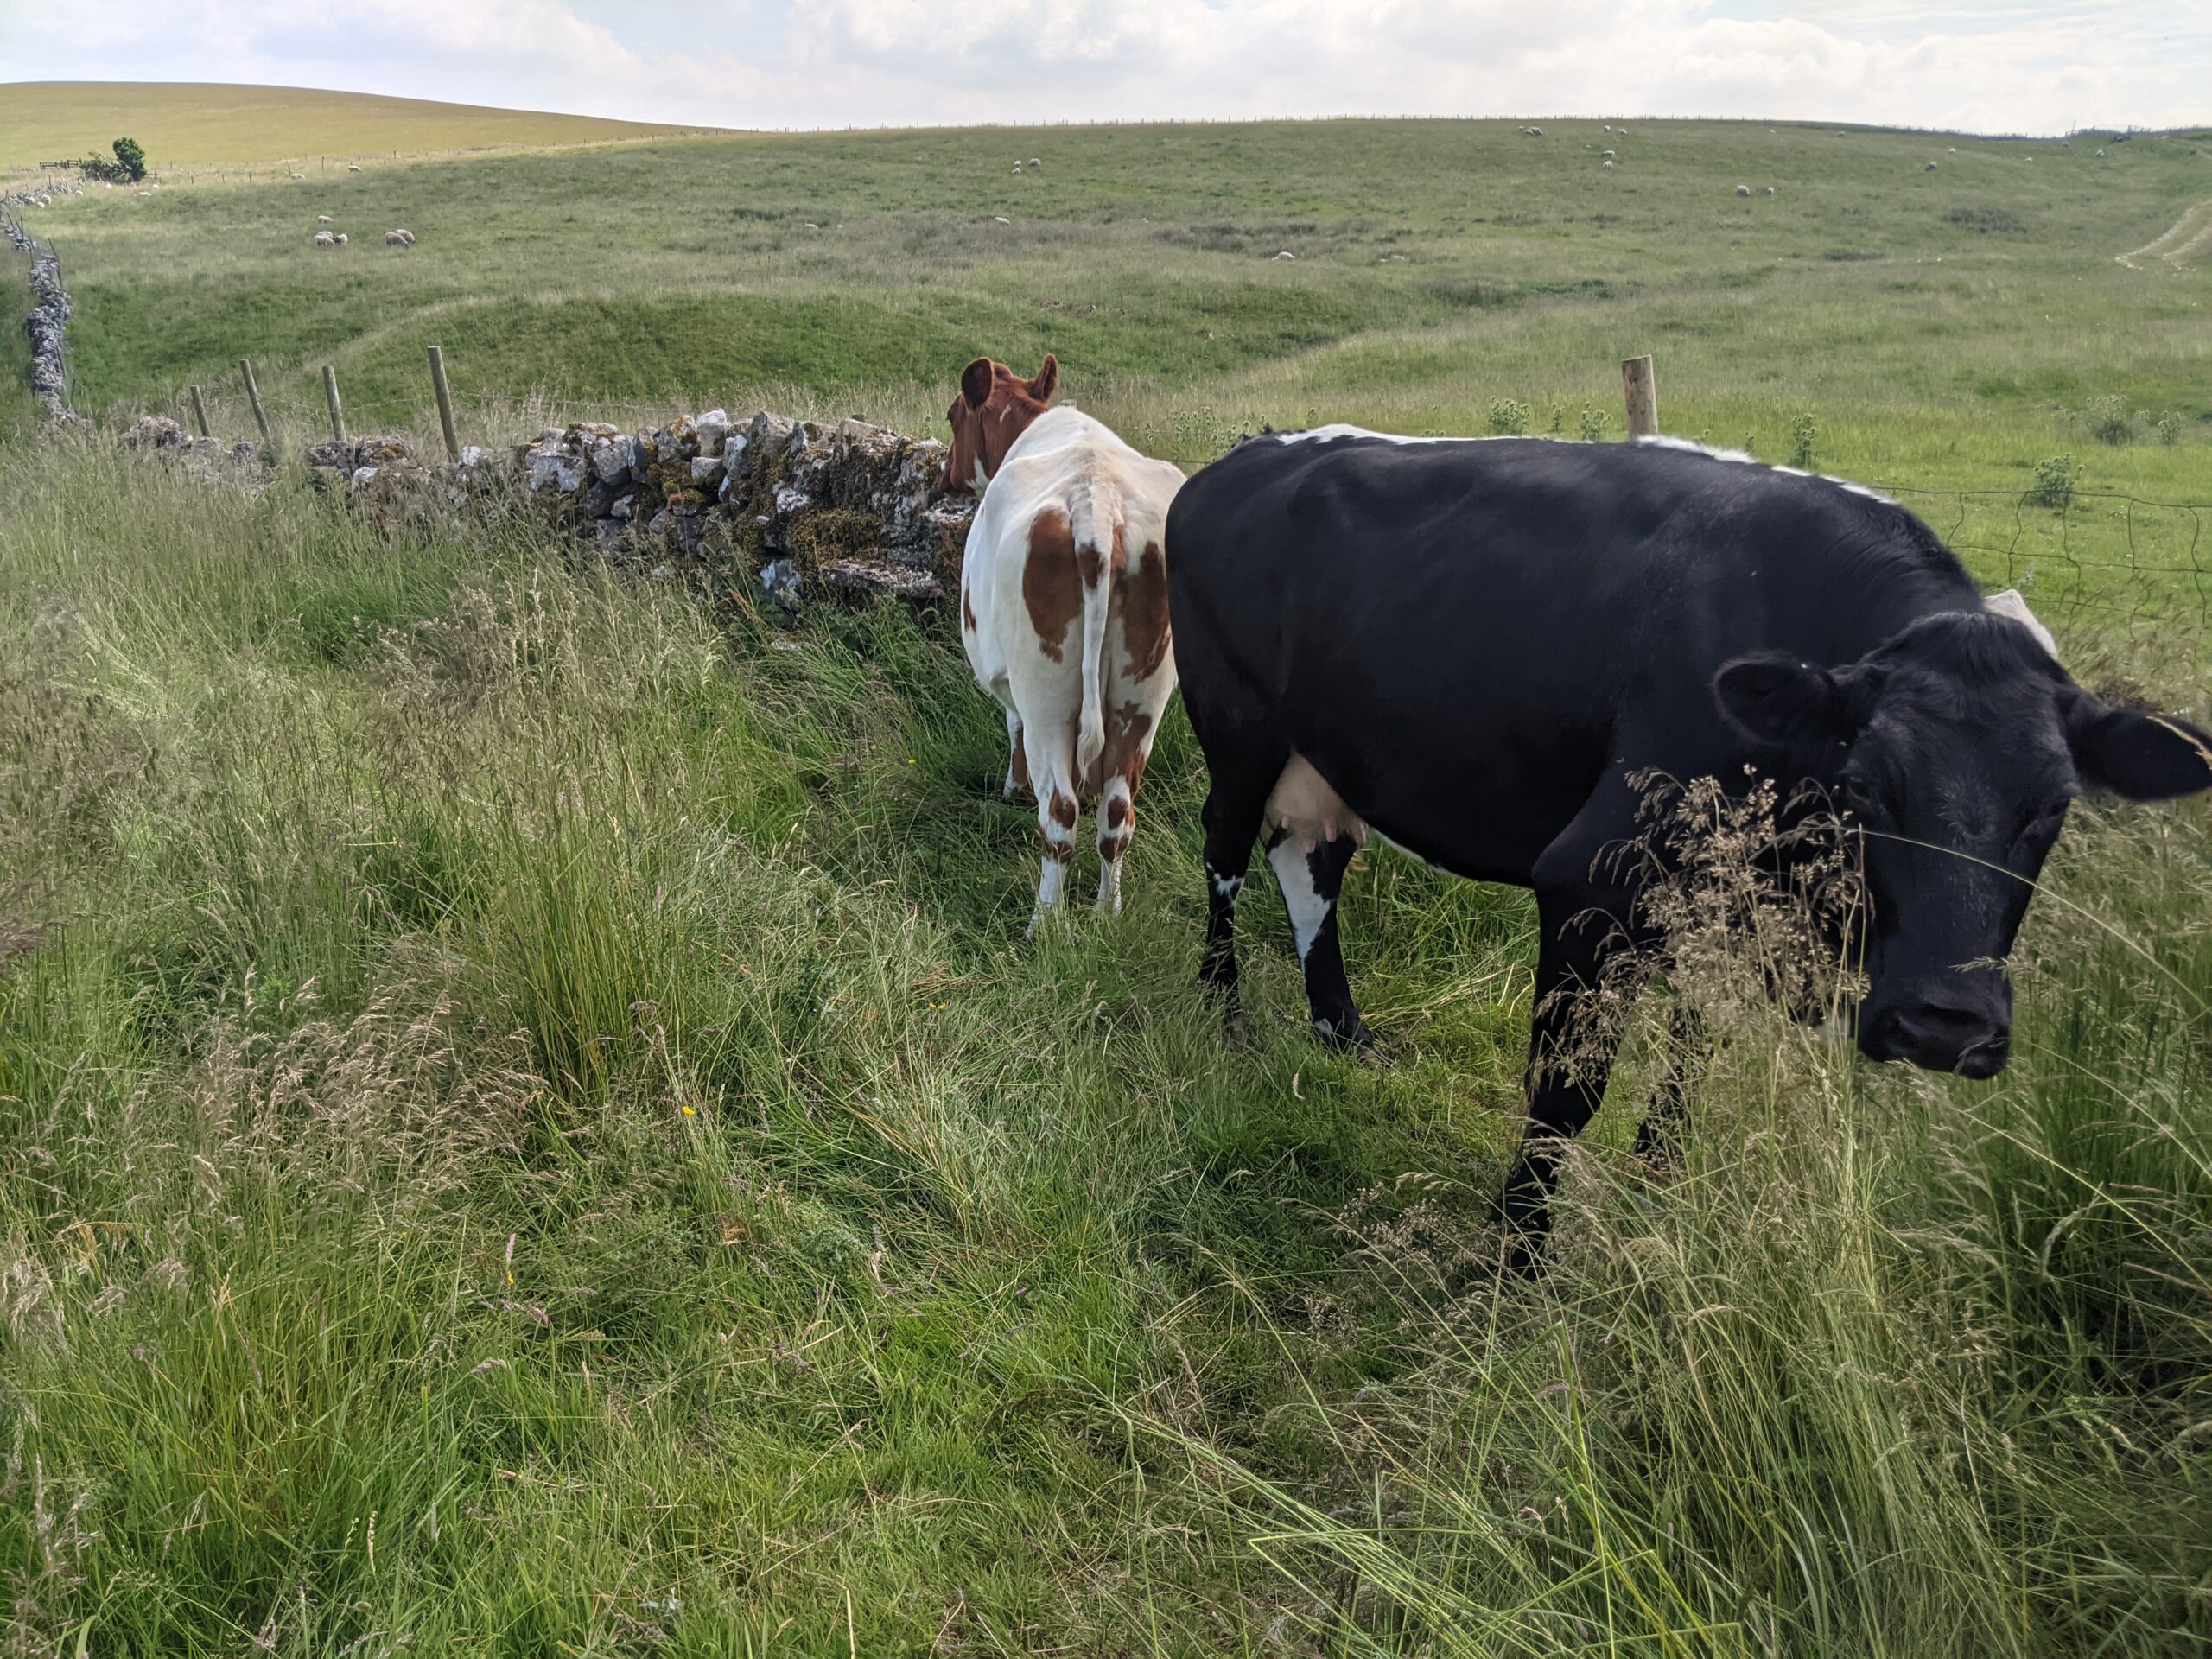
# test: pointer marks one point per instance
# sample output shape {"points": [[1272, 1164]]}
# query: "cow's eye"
{"points": [[2043, 824], [1859, 798]]}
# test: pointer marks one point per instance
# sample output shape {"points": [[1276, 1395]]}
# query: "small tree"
{"points": [[131, 159]]}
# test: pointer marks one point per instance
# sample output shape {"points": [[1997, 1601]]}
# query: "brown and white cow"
{"points": [[1064, 605]]}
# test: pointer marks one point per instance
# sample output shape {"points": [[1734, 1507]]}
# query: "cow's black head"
{"points": [[1955, 747]]}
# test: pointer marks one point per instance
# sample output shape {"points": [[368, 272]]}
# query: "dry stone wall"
{"points": [[48, 324], [800, 509]]}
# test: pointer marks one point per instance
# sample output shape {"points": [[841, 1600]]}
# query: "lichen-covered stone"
{"points": [[610, 458]]}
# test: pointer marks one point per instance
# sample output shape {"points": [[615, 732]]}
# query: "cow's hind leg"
{"points": [[1242, 776], [1017, 766], [1051, 773], [1310, 875]]}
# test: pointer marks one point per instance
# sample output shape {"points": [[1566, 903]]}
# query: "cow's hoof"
{"points": [[1521, 1231], [1351, 1037]]}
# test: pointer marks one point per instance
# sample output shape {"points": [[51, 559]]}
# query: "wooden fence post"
{"points": [[200, 411], [1642, 393], [337, 409], [445, 404], [253, 397]]}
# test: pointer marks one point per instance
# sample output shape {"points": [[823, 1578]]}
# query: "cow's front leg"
{"points": [[1588, 933], [1570, 1057], [1311, 876], [1659, 1137]]}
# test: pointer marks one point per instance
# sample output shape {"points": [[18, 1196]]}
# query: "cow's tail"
{"points": [[1096, 527]]}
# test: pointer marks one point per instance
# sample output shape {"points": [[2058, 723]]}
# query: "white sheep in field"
{"points": [[1743, 189], [325, 240], [341, 239], [298, 177], [399, 238], [323, 218], [353, 169], [1034, 163]]}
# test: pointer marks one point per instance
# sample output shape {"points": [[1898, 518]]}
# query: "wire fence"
{"points": [[2106, 567], [2126, 580]]}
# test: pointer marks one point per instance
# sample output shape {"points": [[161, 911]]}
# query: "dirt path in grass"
{"points": [[2187, 238]]}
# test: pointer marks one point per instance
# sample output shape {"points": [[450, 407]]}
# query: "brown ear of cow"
{"points": [[1046, 380], [975, 381]]}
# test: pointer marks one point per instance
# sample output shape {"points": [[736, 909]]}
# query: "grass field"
{"points": [[185, 122], [531, 1126]]}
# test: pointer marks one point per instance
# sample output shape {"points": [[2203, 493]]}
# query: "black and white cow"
{"points": [[1473, 646]]}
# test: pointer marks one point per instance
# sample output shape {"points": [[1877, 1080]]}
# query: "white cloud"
{"points": [[2004, 64]]}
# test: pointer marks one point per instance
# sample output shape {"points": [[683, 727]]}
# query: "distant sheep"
{"points": [[1770, 189], [1743, 189], [325, 240], [1034, 163], [1532, 132], [353, 169], [399, 238], [323, 218], [1609, 154], [1931, 167], [1607, 166], [1285, 254], [298, 177], [341, 239]]}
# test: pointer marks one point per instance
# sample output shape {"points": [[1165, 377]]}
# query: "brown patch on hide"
{"points": [[1051, 588]]}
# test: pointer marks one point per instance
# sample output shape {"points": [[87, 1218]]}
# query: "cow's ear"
{"points": [[2143, 757], [1046, 380], [1773, 698], [975, 382]]}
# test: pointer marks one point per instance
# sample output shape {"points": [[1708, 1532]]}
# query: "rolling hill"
{"points": [[194, 122]]}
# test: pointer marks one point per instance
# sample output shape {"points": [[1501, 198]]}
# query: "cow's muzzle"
{"points": [[1954, 1022]]}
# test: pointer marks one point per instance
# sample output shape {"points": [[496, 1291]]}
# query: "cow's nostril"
{"points": [[1985, 1058], [1935, 1021]]}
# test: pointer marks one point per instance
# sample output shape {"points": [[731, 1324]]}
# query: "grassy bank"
{"points": [[529, 1127]]}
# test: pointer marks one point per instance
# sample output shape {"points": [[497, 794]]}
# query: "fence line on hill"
{"points": [[2163, 578]]}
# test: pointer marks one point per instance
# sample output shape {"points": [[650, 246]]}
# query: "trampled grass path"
{"points": [[2185, 239]]}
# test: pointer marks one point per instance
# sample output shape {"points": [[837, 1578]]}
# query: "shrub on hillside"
{"points": [[128, 167], [1508, 417], [1804, 432], [2111, 421], [2057, 477]]}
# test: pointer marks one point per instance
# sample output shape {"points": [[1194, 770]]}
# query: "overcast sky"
{"points": [[2038, 65]]}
